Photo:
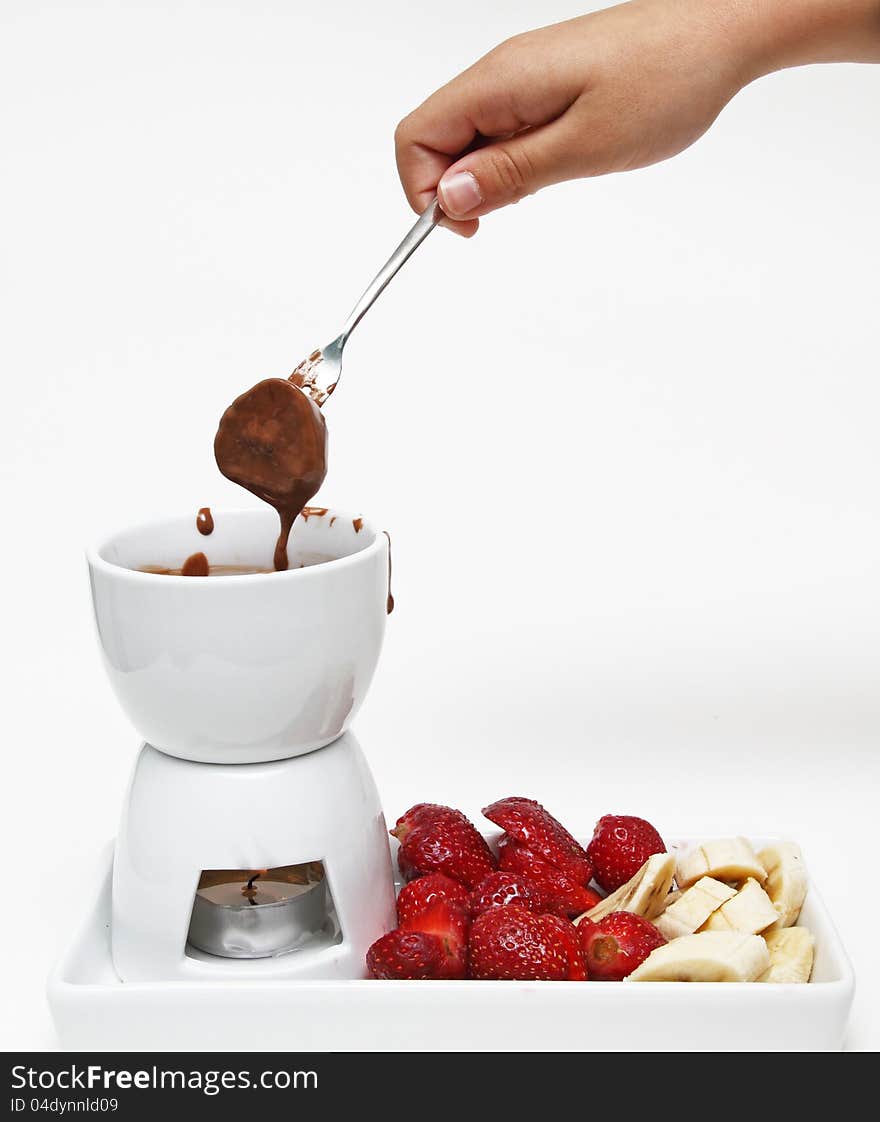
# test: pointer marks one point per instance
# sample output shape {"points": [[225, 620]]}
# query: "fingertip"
{"points": [[464, 229]]}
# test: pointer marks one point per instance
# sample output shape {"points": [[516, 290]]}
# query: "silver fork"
{"points": [[319, 374]]}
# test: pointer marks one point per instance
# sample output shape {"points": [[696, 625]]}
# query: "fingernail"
{"points": [[459, 194]]}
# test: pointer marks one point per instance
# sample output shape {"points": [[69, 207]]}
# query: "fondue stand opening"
{"points": [[243, 913]]}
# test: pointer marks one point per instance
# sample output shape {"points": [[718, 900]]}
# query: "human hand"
{"points": [[611, 91]]}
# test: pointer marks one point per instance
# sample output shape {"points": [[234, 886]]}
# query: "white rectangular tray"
{"points": [[93, 1009]]}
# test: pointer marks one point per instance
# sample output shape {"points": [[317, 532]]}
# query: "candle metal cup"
{"points": [[259, 930]]}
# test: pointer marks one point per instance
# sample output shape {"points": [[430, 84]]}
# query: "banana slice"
{"points": [[693, 907], [723, 859], [708, 956], [644, 895], [750, 910], [791, 955], [786, 883]]}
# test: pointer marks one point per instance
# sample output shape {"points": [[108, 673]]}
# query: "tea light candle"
{"points": [[241, 913]]}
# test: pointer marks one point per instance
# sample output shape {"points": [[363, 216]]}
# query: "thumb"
{"points": [[504, 172]]}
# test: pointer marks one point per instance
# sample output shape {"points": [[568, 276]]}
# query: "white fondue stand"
{"points": [[243, 688]]}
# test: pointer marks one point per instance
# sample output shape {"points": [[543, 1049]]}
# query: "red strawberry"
{"points": [[561, 895], [414, 954], [445, 919], [531, 824], [577, 969], [502, 888], [511, 943], [420, 893], [621, 845], [418, 814], [617, 944], [438, 839]]}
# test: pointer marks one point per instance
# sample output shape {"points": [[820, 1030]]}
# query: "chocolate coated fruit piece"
{"points": [[272, 440]]}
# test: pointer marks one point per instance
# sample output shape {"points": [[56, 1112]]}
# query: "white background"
{"points": [[625, 440]]}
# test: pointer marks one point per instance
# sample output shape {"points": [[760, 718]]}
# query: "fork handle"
{"points": [[428, 219]]}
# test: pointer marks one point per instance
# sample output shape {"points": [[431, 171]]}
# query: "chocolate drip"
{"points": [[195, 565], [279, 558], [205, 521], [389, 603], [306, 561], [358, 524]]}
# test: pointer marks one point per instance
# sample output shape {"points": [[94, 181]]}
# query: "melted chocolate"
{"points": [[358, 524], [205, 521], [235, 570], [196, 565], [212, 570], [389, 603], [272, 440], [306, 561]]}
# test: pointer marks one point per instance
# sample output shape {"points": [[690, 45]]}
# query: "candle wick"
{"points": [[249, 889]]}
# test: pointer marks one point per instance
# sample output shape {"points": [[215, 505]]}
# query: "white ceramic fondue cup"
{"points": [[243, 668]]}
